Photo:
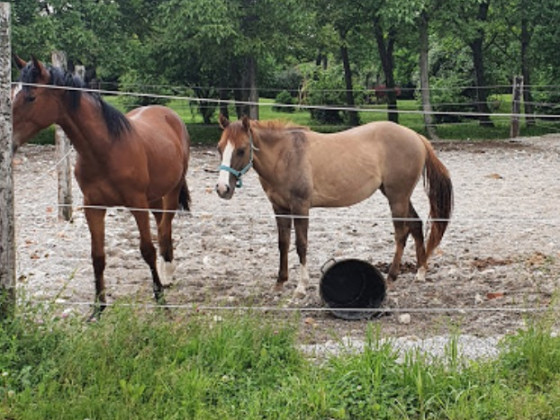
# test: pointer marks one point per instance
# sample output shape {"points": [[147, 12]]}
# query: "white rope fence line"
{"points": [[200, 308], [507, 87], [322, 107], [245, 216]]}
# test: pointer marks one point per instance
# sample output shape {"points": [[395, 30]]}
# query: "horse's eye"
{"points": [[29, 98], [240, 152]]}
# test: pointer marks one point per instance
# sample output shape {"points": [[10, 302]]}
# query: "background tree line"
{"points": [[448, 54]]}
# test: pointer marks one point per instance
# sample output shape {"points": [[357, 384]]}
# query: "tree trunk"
{"points": [[223, 94], [7, 218], [425, 77], [205, 108], [353, 118], [252, 86], [478, 62], [526, 71], [387, 62], [248, 94]]}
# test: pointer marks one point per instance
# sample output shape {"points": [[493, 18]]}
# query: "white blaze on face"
{"points": [[223, 179]]}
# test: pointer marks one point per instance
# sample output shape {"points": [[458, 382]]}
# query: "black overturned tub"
{"points": [[350, 285]]}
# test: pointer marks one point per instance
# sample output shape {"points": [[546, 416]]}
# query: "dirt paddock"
{"points": [[501, 250]]}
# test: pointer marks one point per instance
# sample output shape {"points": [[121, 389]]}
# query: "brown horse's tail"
{"points": [[184, 196], [440, 193]]}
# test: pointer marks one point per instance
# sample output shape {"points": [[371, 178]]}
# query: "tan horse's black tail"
{"points": [[440, 194], [184, 196]]}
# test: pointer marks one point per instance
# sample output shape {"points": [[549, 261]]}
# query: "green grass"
{"points": [[133, 365], [470, 130]]}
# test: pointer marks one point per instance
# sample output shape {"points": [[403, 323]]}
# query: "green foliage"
{"points": [[325, 88], [203, 134], [203, 45], [450, 100], [246, 365], [284, 98], [533, 356], [290, 80], [149, 90]]}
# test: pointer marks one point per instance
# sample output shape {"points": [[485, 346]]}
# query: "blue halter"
{"points": [[245, 169]]}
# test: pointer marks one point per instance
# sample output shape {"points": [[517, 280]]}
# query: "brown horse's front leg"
{"points": [[284, 224], [164, 219], [149, 251], [96, 223]]}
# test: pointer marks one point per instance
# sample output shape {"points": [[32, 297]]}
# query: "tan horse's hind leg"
{"points": [[415, 224], [406, 221], [301, 225], [399, 205], [96, 223]]}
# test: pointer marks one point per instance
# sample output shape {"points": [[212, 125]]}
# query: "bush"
{"points": [[284, 98], [135, 82], [547, 103], [289, 80], [446, 97], [45, 136], [203, 134], [326, 88]]}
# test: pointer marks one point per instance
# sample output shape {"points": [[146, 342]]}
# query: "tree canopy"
{"points": [[240, 49]]}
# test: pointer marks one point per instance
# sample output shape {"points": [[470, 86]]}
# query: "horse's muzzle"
{"points": [[224, 191]]}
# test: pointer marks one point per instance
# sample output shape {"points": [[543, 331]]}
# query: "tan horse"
{"points": [[139, 160], [300, 169]]}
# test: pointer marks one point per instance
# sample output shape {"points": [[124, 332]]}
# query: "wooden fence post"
{"points": [[64, 167], [7, 229], [516, 106]]}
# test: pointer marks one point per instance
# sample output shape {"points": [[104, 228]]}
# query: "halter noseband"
{"points": [[245, 169]]}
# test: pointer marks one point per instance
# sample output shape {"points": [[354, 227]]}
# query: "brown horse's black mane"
{"points": [[116, 121]]}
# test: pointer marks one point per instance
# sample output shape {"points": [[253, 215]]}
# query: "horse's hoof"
{"points": [[96, 314], [279, 287], [421, 274], [300, 292]]}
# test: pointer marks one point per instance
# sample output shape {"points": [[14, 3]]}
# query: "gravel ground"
{"points": [[500, 254]]}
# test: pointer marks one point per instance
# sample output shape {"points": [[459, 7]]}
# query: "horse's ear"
{"points": [[224, 122], [246, 122], [20, 63], [44, 74]]}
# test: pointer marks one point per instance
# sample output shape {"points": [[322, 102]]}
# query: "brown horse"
{"points": [[300, 169], [139, 160]]}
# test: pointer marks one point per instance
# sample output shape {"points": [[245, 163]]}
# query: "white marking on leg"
{"points": [[303, 282], [421, 274], [223, 178], [166, 269]]}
